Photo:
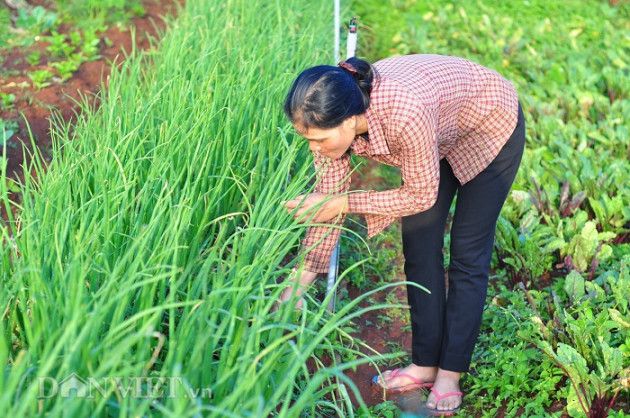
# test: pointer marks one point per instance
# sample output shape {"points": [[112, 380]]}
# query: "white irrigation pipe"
{"points": [[351, 46], [333, 270], [337, 30]]}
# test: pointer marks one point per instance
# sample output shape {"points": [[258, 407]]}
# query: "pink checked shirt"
{"points": [[423, 108]]}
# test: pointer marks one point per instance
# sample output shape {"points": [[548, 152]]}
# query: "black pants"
{"points": [[445, 327]]}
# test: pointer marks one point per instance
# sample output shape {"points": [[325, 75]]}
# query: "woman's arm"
{"points": [[304, 281], [333, 178]]}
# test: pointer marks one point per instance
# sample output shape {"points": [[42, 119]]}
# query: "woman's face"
{"points": [[331, 143]]}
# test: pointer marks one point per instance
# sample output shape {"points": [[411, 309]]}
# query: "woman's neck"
{"points": [[362, 126]]}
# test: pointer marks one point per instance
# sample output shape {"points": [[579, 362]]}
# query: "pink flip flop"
{"points": [[442, 412], [417, 384]]}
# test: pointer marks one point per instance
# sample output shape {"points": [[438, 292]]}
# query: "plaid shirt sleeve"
{"points": [[333, 177], [420, 169]]}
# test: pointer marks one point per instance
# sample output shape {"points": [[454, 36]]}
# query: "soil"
{"points": [[35, 106], [382, 339]]}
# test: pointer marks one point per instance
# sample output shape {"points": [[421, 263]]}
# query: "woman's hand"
{"points": [[330, 209], [304, 281]]}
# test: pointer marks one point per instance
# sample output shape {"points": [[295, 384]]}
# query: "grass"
{"points": [[88, 13], [152, 246], [5, 22]]}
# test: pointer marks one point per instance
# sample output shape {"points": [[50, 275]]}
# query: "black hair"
{"points": [[324, 96]]}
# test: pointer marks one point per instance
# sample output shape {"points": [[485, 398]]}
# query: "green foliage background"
{"points": [[562, 241]]}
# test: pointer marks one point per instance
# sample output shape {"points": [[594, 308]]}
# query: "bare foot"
{"points": [[402, 379], [445, 382]]}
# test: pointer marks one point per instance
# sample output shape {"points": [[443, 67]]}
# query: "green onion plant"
{"points": [[144, 261]]}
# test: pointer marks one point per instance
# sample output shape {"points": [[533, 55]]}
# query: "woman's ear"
{"points": [[351, 122]]}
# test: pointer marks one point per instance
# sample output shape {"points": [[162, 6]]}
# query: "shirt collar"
{"points": [[377, 144]]}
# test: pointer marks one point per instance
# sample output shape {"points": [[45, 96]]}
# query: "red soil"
{"points": [[35, 106]]}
